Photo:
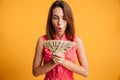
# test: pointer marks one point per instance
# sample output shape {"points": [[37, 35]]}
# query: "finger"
{"points": [[57, 55], [53, 56], [59, 60], [53, 53], [55, 61]]}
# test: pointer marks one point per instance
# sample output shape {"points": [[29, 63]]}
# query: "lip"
{"points": [[59, 29]]}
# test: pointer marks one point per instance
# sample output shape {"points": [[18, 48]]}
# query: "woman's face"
{"points": [[58, 21]]}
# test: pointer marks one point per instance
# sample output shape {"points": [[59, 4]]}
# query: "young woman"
{"points": [[58, 65]]}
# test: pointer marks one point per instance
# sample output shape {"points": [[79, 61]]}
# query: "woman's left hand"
{"points": [[58, 57]]}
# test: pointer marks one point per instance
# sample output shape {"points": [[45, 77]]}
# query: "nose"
{"points": [[59, 22]]}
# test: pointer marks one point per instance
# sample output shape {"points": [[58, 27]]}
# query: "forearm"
{"points": [[44, 69], [75, 68]]}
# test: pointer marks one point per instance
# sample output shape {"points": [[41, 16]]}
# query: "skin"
{"points": [[60, 24], [58, 21]]}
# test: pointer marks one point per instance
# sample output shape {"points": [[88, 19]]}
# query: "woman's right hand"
{"points": [[58, 57]]}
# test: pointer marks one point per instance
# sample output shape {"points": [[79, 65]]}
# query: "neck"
{"points": [[59, 35]]}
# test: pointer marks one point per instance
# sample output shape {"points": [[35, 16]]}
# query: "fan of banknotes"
{"points": [[58, 45]]}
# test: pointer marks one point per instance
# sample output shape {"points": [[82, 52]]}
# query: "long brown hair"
{"points": [[70, 31]]}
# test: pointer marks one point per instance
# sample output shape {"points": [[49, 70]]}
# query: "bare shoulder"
{"points": [[79, 40], [39, 43], [41, 39], [79, 43]]}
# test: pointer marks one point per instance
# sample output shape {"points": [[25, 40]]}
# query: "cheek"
{"points": [[54, 23], [65, 25]]}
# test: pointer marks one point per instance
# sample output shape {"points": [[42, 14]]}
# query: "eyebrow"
{"points": [[57, 16]]}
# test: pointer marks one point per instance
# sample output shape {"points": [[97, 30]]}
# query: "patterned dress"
{"points": [[59, 72]]}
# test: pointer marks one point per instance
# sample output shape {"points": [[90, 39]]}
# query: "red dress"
{"points": [[59, 72]]}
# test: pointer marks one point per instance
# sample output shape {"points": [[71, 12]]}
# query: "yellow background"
{"points": [[22, 22]]}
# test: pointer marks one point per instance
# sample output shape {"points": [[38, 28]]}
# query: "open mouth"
{"points": [[59, 29]]}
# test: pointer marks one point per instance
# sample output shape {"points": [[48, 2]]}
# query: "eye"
{"points": [[64, 18], [55, 17]]}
